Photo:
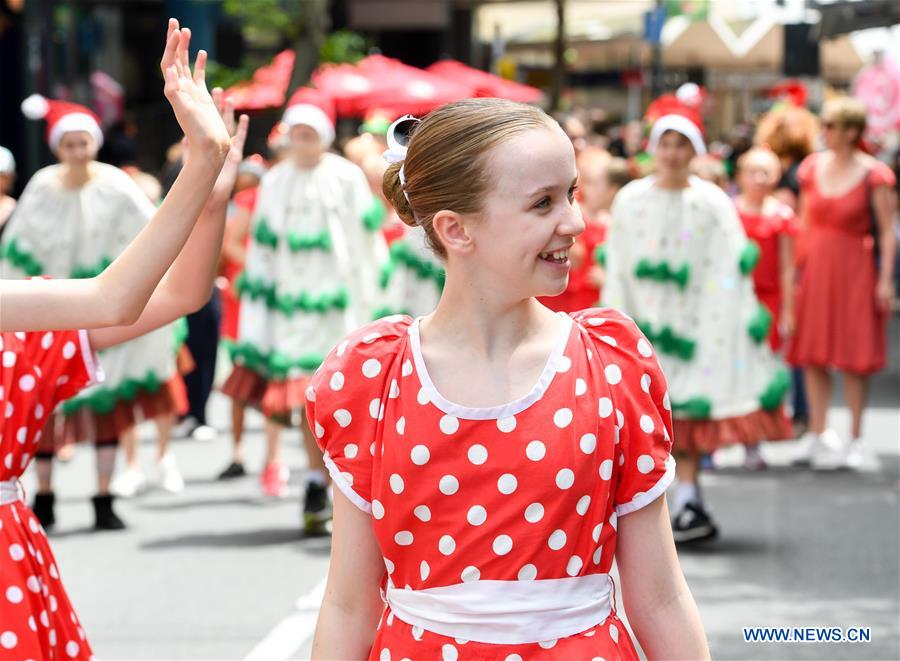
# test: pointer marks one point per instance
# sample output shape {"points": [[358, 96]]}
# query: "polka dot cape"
{"points": [[37, 371], [528, 490]]}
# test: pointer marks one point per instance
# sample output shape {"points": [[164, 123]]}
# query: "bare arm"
{"points": [[119, 294], [660, 608], [352, 605], [188, 284], [234, 238], [787, 275], [884, 202]]}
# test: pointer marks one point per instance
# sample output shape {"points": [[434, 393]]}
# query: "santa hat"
{"points": [[679, 112], [310, 107], [62, 117]]}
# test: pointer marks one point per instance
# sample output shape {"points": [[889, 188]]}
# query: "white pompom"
{"points": [[35, 107], [689, 94]]}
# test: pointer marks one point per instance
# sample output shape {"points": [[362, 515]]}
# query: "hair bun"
{"points": [[393, 191]]}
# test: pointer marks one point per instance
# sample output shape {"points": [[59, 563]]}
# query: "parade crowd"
{"points": [[502, 335]]}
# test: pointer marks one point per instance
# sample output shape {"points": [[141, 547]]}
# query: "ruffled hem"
{"points": [[84, 425], [276, 399], [709, 435]]}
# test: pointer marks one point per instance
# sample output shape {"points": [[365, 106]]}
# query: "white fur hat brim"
{"points": [[306, 114], [75, 121], [679, 124]]}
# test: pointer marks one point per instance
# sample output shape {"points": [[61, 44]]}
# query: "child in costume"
{"points": [[72, 220], [772, 225], [493, 457], [43, 365], [678, 262], [310, 275]]}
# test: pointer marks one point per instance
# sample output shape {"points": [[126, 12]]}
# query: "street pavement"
{"points": [[219, 572]]}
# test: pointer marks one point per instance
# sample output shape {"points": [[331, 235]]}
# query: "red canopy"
{"points": [[267, 88], [386, 84], [485, 83]]}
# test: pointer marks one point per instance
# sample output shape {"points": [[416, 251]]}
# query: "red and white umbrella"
{"points": [[267, 88], [485, 83]]}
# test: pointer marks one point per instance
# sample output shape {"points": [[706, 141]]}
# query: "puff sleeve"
{"points": [[344, 404], [643, 467]]}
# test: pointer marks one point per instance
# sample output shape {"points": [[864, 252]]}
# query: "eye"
{"points": [[572, 192], [544, 203]]}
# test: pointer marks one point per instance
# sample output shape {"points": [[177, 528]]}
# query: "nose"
{"points": [[572, 222]]}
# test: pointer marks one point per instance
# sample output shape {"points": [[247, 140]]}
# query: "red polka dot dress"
{"points": [[497, 525], [37, 371]]}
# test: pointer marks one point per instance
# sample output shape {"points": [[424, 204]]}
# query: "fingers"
{"points": [[228, 116], [184, 51], [171, 78], [200, 69], [172, 40], [240, 135]]}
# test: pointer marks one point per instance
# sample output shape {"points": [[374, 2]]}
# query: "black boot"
{"points": [[43, 508], [104, 517]]}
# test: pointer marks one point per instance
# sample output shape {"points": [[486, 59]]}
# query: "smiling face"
{"points": [[306, 146], [758, 173], [76, 148], [529, 218]]}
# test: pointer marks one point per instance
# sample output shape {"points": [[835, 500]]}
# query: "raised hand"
{"points": [[186, 92], [238, 131]]}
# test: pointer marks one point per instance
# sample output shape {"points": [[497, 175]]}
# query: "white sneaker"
{"points": [[205, 434], [128, 483], [809, 446], [830, 452], [169, 476], [854, 454]]}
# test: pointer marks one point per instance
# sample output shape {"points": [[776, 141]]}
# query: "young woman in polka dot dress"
{"points": [[41, 366], [493, 458]]}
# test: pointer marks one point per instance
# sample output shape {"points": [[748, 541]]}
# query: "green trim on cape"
{"points": [[21, 259], [271, 364], [663, 271], [749, 257], [373, 217], [760, 324], [80, 272], [104, 400], [695, 408], [263, 234], [402, 254], [600, 255], [668, 341], [297, 242], [773, 396], [290, 304]]}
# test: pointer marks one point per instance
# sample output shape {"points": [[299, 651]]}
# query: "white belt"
{"points": [[11, 491], [507, 612]]}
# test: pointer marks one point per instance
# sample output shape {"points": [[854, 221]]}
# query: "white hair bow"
{"points": [[398, 135]]}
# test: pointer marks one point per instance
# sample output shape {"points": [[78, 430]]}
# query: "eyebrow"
{"points": [[547, 189]]}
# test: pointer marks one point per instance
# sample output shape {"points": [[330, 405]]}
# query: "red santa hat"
{"points": [[679, 112], [62, 117], [311, 107]]}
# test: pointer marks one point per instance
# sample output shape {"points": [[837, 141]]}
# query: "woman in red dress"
{"points": [[42, 366], [845, 292]]}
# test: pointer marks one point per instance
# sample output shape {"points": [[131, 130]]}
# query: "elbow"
{"points": [[196, 299]]}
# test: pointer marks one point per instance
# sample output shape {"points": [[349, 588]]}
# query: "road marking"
{"points": [[293, 632]]}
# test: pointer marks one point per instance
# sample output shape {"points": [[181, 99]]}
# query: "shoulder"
{"points": [[340, 166], [880, 174], [42, 179], [635, 188], [710, 192], [614, 333], [378, 341], [807, 168]]}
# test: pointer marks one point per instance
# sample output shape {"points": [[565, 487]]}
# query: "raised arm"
{"points": [[119, 295], [188, 284]]}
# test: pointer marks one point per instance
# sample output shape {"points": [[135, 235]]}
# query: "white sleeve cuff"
{"points": [[341, 482], [644, 498]]}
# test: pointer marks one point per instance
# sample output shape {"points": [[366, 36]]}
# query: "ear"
{"points": [[450, 229]]}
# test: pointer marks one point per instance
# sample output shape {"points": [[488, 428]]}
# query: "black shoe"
{"points": [[317, 510], [104, 517], [43, 508], [692, 524], [234, 469]]}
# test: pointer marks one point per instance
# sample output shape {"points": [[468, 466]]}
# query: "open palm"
{"points": [[186, 92]]}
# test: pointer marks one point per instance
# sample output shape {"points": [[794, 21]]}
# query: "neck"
{"points": [[751, 202], [844, 154], [486, 325], [75, 176], [673, 179]]}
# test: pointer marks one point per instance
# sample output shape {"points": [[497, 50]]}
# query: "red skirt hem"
{"points": [[274, 398], [85, 425], [710, 435]]}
